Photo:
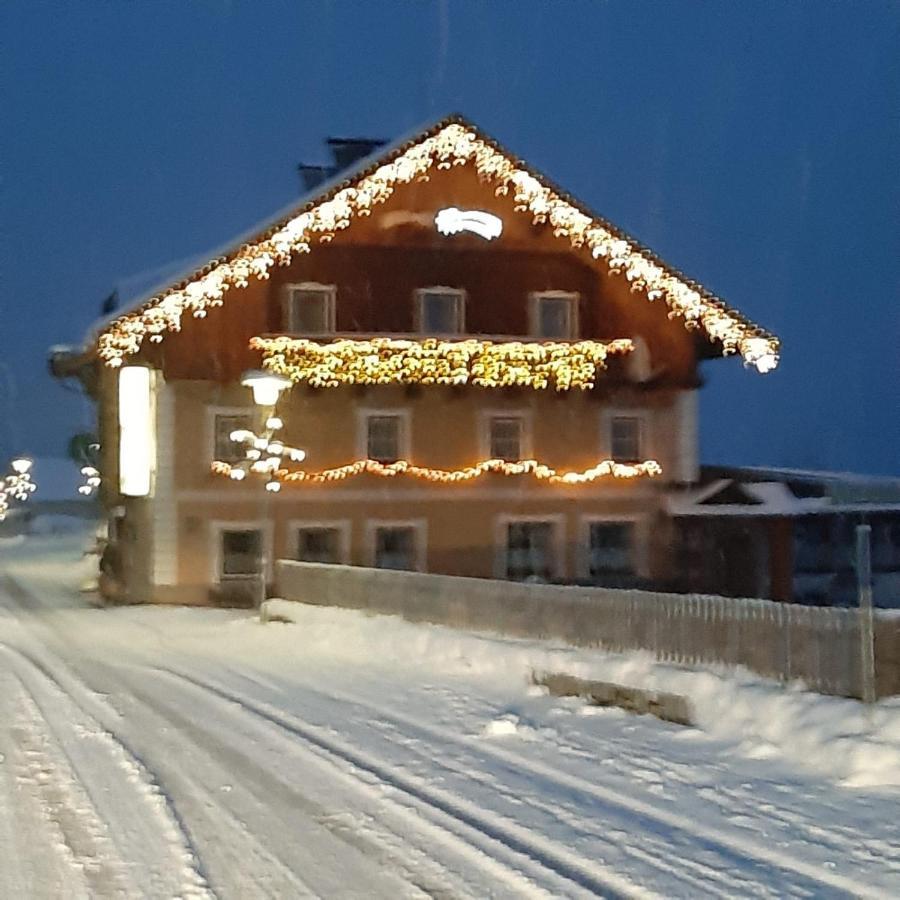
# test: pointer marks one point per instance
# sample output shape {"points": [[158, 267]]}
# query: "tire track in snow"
{"points": [[81, 836], [171, 849], [731, 847], [533, 854]]}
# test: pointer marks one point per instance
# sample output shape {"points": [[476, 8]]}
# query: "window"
{"points": [[241, 552], [625, 438], [224, 448], [554, 316], [395, 547], [505, 438], [610, 549], [440, 311], [529, 551], [310, 309], [383, 434], [319, 545]]}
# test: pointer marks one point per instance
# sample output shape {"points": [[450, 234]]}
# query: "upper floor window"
{"points": [[506, 437], [440, 311], [554, 315], [224, 425], [625, 439], [310, 308]]}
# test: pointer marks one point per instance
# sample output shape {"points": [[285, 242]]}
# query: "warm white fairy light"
{"points": [[481, 363], [91, 481], [263, 453], [453, 145], [17, 486], [606, 468]]}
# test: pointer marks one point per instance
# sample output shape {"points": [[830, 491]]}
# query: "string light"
{"points": [[607, 468], [255, 446], [17, 486], [91, 481], [432, 361], [454, 144]]}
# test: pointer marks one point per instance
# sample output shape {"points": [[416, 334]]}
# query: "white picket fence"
{"points": [[820, 646]]}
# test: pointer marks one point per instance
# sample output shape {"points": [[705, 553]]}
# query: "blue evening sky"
{"points": [[755, 145]]}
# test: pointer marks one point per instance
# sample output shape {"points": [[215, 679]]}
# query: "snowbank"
{"points": [[761, 718]]}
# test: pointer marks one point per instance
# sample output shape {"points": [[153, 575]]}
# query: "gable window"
{"points": [[224, 424], [395, 547], [554, 315], [319, 545], [506, 433], [530, 551], [440, 311], [625, 439], [383, 436], [241, 553], [310, 308], [610, 549]]}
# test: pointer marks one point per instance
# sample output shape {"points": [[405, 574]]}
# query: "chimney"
{"points": [[311, 176], [347, 151]]}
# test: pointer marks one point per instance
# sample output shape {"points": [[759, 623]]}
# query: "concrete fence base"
{"points": [[820, 646]]}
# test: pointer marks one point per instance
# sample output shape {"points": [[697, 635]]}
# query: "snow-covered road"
{"points": [[171, 752]]}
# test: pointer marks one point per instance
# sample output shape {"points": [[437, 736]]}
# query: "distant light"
{"points": [[453, 220], [21, 466]]}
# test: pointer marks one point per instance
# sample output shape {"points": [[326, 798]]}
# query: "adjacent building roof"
{"points": [[727, 491], [334, 205]]}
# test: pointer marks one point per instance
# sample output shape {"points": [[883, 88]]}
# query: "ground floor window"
{"points": [[395, 547], [530, 551], [319, 544], [241, 552], [610, 549]]}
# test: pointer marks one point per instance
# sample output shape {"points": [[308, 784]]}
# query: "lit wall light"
{"points": [[136, 442]]}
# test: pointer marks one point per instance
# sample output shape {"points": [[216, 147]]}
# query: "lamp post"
{"points": [[266, 389]]}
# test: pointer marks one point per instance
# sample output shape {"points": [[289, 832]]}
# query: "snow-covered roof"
{"points": [[736, 497], [333, 205]]}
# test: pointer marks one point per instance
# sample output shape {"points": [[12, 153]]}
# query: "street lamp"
{"points": [[266, 389]]}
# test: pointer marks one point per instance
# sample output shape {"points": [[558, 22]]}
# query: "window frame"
{"points": [[645, 434], [639, 550], [330, 291], [213, 413], [418, 311], [217, 555], [362, 430], [341, 526], [557, 522], [486, 417], [534, 318], [420, 549]]}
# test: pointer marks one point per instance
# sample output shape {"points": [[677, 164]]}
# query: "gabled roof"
{"points": [[452, 141]]}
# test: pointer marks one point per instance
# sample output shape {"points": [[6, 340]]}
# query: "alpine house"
{"points": [[457, 368]]}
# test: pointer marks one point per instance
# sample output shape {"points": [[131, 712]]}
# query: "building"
{"points": [[787, 534], [487, 379]]}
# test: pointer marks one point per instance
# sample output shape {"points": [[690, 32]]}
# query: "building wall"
{"points": [[169, 539]]}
